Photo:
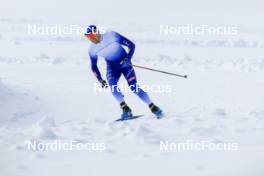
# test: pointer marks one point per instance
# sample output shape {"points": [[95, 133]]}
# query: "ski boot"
{"points": [[156, 110], [127, 113]]}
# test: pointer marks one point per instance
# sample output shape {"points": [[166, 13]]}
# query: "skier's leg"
{"points": [[113, 76], [130, 76]]}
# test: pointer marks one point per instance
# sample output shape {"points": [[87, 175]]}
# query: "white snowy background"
{"points": [[46, 89]]}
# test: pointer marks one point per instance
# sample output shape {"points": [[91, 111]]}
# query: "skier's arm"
{"points": [[94, 68], [131, 46]]}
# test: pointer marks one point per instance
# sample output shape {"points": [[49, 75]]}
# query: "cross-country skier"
{"points": [[110, 45]]}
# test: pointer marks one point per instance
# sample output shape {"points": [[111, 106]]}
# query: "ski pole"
{"points": [[147, 68]]}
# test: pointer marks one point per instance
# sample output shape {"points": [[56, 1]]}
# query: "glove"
{"points": [[125, 62], [104, 83]]}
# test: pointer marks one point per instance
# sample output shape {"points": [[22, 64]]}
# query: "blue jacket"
{"points": [[111, 49]]}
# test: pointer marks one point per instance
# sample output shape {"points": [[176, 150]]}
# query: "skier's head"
{"points": [[92, 33]]}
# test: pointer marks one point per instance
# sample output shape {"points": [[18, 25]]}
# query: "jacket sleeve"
{"points": [[94, 67], [126, 42]]}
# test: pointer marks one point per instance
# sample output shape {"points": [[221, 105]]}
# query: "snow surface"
{"points": [[46, 94]]}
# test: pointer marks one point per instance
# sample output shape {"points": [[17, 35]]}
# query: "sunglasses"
{"points": [[90, 35]]}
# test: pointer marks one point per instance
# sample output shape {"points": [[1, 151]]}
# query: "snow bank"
{"points": [[17, 106], [42, 129]]}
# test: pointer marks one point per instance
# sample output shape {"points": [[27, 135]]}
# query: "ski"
{"points": [[130, 118]]}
